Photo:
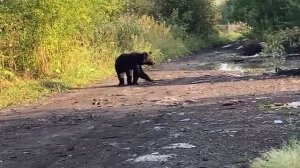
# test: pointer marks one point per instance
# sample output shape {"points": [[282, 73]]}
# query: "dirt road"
{"points": [[192, 117]]}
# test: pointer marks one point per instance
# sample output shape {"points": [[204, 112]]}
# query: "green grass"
{"points": [[286, 157], [224, 38], [28, 91], [231, 36], [22, 92]]}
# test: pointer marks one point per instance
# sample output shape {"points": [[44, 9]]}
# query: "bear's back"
{"points": [[128, 61]]}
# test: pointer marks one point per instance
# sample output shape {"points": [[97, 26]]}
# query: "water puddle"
{"points": [[252, 64], [179, 145], [154, 157]]}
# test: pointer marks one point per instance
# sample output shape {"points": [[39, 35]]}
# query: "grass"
{"points": [[22, 92], [231, 36], [286, 157], [225, 38], [31, 90]]}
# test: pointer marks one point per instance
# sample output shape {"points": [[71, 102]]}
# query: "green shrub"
{"points": [[279, 41], [194, 16], [264, 15]]}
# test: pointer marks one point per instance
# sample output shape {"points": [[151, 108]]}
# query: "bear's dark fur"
{"points": [[251, 47], [131, 65], [292, 47]]}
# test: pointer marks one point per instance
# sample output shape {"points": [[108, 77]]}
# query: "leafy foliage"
{"points": [[282, 40], [196, 16], [36, 34], [265, 15], [274, 21]]}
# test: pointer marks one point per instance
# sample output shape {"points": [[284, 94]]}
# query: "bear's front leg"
{"points": [[135, 76], [143, 75]]}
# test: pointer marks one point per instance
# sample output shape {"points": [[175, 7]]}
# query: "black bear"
{"points": [[251, 47], [292, 46], [131, 65]]}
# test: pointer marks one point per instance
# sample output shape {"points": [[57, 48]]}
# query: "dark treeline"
{"points": [[275, 22]]}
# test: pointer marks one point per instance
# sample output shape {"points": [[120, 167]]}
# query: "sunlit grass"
{"points": [[21, 92], [231, 36], [286, 157]]}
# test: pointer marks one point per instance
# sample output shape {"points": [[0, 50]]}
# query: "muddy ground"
{"points": [[202, 112]]}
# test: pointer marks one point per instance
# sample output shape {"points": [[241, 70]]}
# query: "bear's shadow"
{"points": [[198, 80]]}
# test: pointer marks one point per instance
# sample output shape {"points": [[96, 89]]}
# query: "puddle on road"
{"points": [[179, 145], [250, 64], [154, 157]]}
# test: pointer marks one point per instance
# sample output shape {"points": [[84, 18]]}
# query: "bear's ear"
{"points": [[150, 52], [145, 54]]}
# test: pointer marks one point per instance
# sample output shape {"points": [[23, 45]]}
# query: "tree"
{"points": [[265, 15], [197, 16]]}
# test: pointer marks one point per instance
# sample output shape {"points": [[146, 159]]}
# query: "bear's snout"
{"points": [[151, 63]]}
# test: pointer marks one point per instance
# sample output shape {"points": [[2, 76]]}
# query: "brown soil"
{"points": [[222, 114]]}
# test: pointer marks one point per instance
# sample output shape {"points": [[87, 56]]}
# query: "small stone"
{"points": [[278, 121], [91, 127], [185, 120], [158, 128]]}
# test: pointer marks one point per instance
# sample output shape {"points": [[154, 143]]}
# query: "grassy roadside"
{"points": [[286, 157], [25, 91], [21, 91]]}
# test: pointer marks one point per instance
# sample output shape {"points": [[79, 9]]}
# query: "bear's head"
{"points": [[148, 59]]}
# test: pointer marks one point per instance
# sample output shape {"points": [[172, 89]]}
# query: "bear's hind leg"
{"points": [[129, 77], [121, 79]]}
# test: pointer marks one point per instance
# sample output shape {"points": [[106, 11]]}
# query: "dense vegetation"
{"points": [[48, 45], [274, 21], [265, 15]]}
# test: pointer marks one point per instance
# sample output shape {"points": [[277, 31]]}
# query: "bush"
{"points": [[264, 15], [195, 16], [282, 41]]}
